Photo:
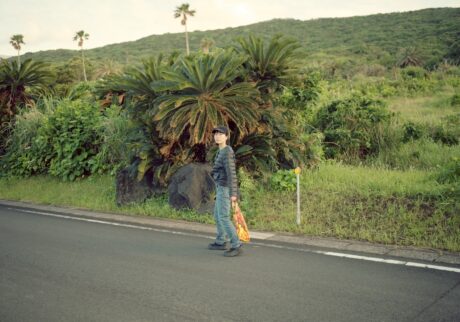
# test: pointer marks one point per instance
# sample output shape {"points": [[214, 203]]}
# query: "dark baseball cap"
{"points": [[220, 129]]}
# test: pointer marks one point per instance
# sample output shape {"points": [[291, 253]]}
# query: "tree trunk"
{"points": [[186, 40], [83, 62]]}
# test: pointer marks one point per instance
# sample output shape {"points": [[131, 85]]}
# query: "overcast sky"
{"points": [[51, 24]]}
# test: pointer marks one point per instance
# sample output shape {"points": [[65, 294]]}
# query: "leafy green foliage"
{"points": [[450, 173], [267, 64], [28, 148], [201, 93], [283, 180], [455, 100], [63, 142], [18, 83], [117, 134], [177, 103], [71, 131], [412, 131], [352, 127]]}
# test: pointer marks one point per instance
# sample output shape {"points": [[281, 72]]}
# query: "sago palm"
{"points": [[16, 41], [135, 85], [81, 36], [15, 80], [17, 84], [182, 12], [202, 92], [268, 64]]}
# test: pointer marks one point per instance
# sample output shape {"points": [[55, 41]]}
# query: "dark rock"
{"points": [[192, 187], [129, 189]]}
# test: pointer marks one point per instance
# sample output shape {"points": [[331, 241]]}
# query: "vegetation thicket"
{"points": [[374, 123]]}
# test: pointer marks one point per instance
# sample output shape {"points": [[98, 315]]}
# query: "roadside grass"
{"points": [[93, 193], [378, 205], [348, 202]]}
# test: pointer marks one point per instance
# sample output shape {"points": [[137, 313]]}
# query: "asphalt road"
{"points": [[56, 269]]}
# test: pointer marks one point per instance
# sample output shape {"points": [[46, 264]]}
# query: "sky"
{"points": [[51, 24]]}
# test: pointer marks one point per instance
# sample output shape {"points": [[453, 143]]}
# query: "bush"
{"points": [[116, 131], [72, 134], [28, 149], [283, 180], [412, 131], [353, 127], [455, 100], [414, 72], [450, 173], [61, 138], [445, 135]]}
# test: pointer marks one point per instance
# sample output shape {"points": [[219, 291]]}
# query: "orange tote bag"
{"points": [[240, 224]]}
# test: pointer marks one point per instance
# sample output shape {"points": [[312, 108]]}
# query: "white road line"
{"points": [[335, 254], [112, 223]]}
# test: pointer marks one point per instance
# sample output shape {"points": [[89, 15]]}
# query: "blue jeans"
{"points": [[225, 227]]}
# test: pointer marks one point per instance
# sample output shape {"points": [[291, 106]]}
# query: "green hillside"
{"points": [[376, 39]]}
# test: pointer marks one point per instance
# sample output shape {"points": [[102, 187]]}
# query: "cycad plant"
{"points": [[15, 80], [176, 104], [17, 85], [269, 65], [202, 92]]}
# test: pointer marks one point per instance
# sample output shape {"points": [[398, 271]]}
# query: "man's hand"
{"points": [[233, 199]]}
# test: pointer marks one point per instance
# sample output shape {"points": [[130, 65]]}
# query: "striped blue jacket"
{"points": [[224, 170]]}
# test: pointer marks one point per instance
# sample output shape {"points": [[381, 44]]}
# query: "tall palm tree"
{"points": [[17, 41], [182, 12], [206, 44], [81, 36]]}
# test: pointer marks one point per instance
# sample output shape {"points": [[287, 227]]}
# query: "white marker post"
{"points": [[297, 173]]}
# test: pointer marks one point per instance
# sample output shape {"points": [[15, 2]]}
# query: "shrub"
{"points": [[352, 127], [116, 131], [412, 131], [414, 72], [72, 134], [283, 180], [450, 173], [455, 100], [28, 149], [445, 135]]}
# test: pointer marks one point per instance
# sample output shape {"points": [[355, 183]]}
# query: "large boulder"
{"points": [[192, 187], [129, 189]]}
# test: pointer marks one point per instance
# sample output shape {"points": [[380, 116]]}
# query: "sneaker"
{"points": [[215, 246], [232, 252]]}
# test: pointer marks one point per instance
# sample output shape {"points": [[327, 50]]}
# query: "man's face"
{"points": [[220, 137]]}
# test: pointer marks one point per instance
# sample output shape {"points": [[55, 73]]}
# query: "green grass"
{"points": [[94, 193], [424, 109], [420, 154], [349, 202]]}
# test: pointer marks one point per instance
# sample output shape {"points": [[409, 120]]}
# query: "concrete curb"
{"points": [[350, 246]]}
